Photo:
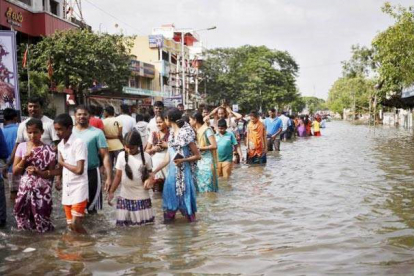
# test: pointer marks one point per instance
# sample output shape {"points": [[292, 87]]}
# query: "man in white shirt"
{"points": [[127, 121], [285, 124], [142, 128], [158, 109], [224, 112], [73, 156], [34, 108]]}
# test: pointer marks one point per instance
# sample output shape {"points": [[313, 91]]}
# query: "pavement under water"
{"points": [[337, 204]]}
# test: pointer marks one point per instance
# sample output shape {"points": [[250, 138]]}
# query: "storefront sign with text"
{"points": [[13, 17]]}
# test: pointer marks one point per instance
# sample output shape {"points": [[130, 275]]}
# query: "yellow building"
{"points": [[163, 54]]}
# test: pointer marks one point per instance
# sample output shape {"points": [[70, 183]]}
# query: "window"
{"points": [[132, 82], [54, 7], [27, 2], [165, 56]]}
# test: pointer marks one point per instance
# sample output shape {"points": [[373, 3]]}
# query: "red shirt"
{"points": [[96, 122]]}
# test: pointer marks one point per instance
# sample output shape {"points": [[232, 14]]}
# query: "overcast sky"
{"points": [[317, 33]]}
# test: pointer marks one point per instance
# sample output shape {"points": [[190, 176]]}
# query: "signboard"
{"points": [[173, 101], [143, 92], [9, 90], [235, 107], [142, 69], [14, 18], [408, 92], [156, 41]]}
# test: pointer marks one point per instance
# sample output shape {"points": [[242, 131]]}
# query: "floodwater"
{"points": [[337, 204]]}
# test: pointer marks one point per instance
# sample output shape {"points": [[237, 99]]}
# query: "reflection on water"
{"points": [[341, 203]]}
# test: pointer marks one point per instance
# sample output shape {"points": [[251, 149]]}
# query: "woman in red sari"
{"points": [[33, 161], [308, 126]]}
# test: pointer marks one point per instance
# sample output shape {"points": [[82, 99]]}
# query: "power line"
{"points": [[114, 17]]}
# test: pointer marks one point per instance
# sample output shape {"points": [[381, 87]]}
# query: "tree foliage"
{"points": [[348, 91], [251, 76], [394, 51], [80, 57], [361, 62], [314, 104]]}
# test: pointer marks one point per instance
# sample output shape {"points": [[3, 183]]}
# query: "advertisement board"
{"points": [[156, 41], [173, 101], [9, 88], [407, 92]]}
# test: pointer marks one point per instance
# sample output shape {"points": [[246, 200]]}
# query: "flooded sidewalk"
{"points": [[337, 204]]}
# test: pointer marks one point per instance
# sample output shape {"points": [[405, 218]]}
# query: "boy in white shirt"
{"points": [[73, 156]]}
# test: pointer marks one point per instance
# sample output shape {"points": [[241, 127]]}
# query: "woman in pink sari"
{"points": [[301, 128], [33, 161]]}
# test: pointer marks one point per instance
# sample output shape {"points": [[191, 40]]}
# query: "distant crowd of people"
{"points": [[97, 151]]}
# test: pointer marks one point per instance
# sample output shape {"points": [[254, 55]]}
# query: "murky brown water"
{"points": [[338, 204]]}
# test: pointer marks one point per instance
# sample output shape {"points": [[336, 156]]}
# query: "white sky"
{"points": [[317, 33]]}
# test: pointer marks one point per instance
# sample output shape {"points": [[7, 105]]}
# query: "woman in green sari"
{"points": [[207, 180]]}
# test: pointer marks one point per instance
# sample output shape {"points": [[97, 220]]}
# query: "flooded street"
{"points": [[341, 203]]}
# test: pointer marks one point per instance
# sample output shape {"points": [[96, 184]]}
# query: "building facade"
{"points": [[33, 19], [176, 66]]}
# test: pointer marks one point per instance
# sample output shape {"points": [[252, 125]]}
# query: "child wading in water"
{"points": [[73, 157], [133, 166], [34, 160]]}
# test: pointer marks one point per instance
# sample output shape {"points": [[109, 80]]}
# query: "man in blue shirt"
{"points": [[97, 147], [10, 135], [273, 126]]}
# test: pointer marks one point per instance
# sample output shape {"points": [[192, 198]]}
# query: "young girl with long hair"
{"points": [[133, 166], [34, 160]]}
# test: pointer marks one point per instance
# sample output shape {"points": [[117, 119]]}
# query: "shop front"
{"points": [[138, 102]]}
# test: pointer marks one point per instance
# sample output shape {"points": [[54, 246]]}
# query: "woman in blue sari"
{"points": [[179, 192]]}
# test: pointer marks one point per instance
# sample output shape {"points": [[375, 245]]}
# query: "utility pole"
{"points": [[354, 108], [261, 101], [183, 95]]}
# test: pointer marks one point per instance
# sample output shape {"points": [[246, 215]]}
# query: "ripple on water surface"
{"points": [[341, 203]]}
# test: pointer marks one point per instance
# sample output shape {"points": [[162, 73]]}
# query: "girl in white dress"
{"points": [[133, 166]]}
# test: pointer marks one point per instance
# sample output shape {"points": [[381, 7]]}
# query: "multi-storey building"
{"points": [[176, 65], [189, 60], [32, 19]]}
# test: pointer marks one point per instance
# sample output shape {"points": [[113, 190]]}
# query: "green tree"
{"points": [[251, 76], [347, 92], [80, 57], [298, 105], [314, 104], [394, 52], [361, 62]]}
